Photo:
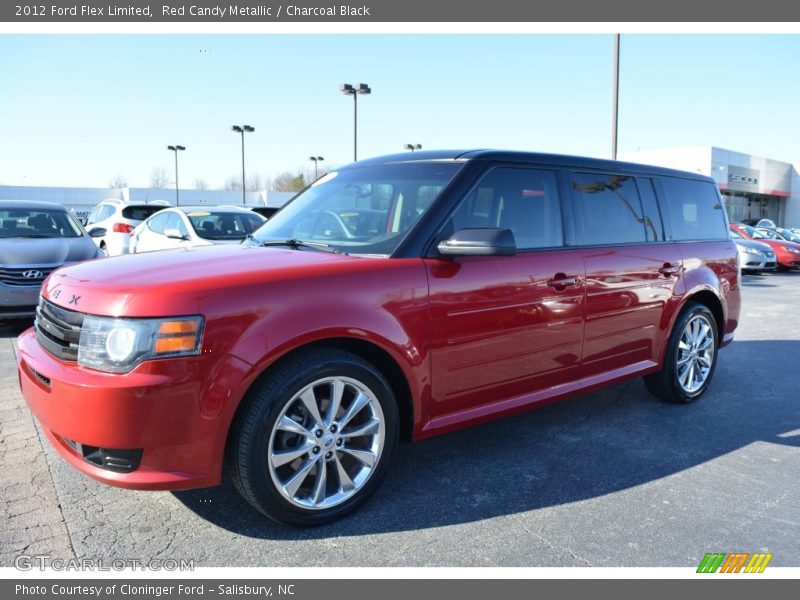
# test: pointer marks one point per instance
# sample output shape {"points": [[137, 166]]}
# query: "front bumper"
{"points": [[18, 300], [175, 411]]}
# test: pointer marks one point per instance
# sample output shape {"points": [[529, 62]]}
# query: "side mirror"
{"points": [[479, 241], [174, 234], [97, 232]]}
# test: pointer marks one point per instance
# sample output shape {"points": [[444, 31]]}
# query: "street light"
{"points": [[316, 160], [615, 100], [243, 129], [412, 147], [175, 149], [350, 90]]}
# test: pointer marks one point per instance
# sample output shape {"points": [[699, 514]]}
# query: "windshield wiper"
{"points": [[295, 244]]}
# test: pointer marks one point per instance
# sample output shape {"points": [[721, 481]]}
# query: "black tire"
{"points": [[665, 383], [249, 444]]}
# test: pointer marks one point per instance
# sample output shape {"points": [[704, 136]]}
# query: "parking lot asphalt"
{"points": [[613, 478]]}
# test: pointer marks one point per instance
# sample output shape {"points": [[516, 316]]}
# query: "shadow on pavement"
{"points": [[586, 447], [11, 328]]}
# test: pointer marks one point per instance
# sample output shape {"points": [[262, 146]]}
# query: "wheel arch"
{"points": [[368, 351], [711, 301]]}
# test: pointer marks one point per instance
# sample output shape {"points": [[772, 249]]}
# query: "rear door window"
{"points": [[695, 210], [607, 210]]}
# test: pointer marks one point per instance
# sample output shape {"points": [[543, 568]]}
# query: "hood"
{"points": [[45, 251], [761, 247], [180, 281]]}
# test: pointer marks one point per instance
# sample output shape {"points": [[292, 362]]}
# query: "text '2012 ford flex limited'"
{"points": [[395, 299]]}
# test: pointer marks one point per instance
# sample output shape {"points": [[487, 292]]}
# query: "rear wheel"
{"points": [[315, 439], [690, 359]]}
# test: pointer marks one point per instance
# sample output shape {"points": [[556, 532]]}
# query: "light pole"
{"points": [[350, 90], [175, 149], [316, 160], [412, 147], [243, 129], [615, 100]]}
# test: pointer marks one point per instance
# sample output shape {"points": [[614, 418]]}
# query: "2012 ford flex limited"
{"points": [[395, 299]]}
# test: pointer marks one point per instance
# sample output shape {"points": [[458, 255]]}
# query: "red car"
{"points": [[787, 254], [395, 299]]}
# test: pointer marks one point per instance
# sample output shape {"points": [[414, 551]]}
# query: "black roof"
{"points": [[564, 160]]}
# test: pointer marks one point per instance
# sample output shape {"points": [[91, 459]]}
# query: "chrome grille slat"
{"points": [[15, 275], [58, 330]]}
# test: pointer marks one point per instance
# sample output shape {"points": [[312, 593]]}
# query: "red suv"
{"points": [[395, 299]]}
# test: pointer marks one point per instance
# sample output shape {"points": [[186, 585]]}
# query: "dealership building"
{"points": [[752, 187]]}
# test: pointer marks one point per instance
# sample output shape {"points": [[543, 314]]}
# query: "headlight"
{"points": [[750, 250], [118, 345], [793, 250]]}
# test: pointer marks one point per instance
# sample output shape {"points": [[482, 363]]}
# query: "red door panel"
{"points": [[503, 327], [627, 289]]}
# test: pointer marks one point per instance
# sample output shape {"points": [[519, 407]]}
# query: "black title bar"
{"points": [[465, 11]]}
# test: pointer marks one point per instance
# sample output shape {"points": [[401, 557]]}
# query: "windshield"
{"points": [[37, 223], [224, 225], [769, 233], [752, 232], [364, 210], [789, 235]]}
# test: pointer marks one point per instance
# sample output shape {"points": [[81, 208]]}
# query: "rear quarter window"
{"points": [[695, 210]]}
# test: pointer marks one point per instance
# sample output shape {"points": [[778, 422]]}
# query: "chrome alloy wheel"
{"points": [[326, 443], [695, 354]]}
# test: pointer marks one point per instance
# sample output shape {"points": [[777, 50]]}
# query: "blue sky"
{"points": [[79, 110]]}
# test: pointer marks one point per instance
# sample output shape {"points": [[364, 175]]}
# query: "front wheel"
{"points": [[315, 438], [690, 359]]}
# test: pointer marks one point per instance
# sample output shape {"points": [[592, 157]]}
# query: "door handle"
{"points": [[561, 281], [668, 270]]}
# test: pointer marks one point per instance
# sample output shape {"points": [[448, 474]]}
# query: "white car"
{"points": [[111, 222], [189, 226]]}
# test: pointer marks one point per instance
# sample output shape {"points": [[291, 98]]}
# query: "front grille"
{"points": [[21, 276], [58, 330]]}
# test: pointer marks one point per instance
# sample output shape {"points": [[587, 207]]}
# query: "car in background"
{"points": [[760, 222], [35, 239], [753, 256], [189, 226], [259, 209], [111, 222], [787, 254], [780, 234]]}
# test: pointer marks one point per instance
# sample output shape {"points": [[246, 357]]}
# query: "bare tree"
{"points": [[289, 182], [200, 184], [118, 182], [254, 183], [233, 184], [159, 178]]}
